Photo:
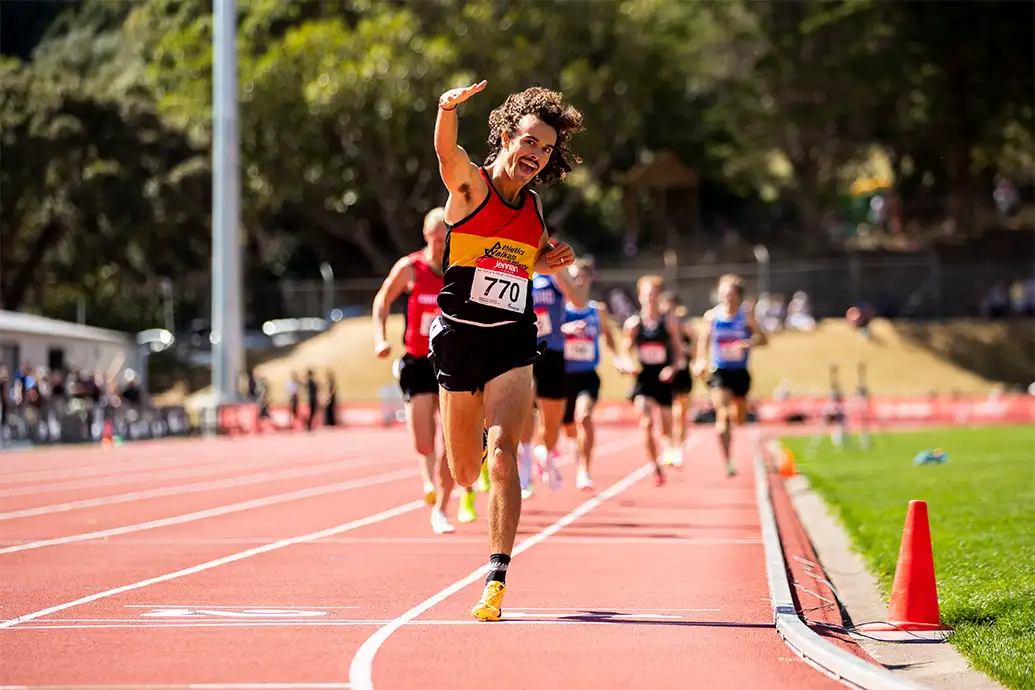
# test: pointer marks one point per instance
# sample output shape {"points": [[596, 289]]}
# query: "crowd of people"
{"points": [[502, 344], [38, 387]]}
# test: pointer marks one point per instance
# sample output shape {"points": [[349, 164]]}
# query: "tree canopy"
{"points": [[106, 123]]}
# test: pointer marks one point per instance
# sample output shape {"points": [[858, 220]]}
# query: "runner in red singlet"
{"points": [[420, 274]]}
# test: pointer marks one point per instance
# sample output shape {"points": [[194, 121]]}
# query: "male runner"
{"points": [[550, 293], [682, 382], [484, 342], [730, 331], [583, 328], [659, 351], [420, 275]]}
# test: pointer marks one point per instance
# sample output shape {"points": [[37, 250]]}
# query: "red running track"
{"points": [[330, 577]]}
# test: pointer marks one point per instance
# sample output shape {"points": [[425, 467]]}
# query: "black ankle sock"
{"points": [[498, 563]]}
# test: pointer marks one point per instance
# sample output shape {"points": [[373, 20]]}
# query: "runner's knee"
{"points": [[503, 466]]}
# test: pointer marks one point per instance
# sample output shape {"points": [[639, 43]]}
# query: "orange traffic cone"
{"points": [[787, 468], [913, 610], [106, 435]]}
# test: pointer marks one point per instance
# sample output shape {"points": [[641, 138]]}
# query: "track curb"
{"points": [[807, 644]]}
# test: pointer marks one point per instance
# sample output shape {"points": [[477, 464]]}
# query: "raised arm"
{"points": [[400, 276], [454, 164]]}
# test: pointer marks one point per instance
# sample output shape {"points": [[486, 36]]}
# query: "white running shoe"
{"points": [[440, 523]]}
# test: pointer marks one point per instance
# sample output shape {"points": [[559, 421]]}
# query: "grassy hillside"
{"points": [[902, 359]]}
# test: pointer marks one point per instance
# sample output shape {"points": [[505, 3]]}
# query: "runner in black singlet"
{"points": [[654, 337]]}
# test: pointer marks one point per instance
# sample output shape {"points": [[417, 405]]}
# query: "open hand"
{"points": [[454, 97]]}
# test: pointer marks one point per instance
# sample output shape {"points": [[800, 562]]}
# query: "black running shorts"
{"points": [[649, 384], [467, 357], [416, 376], [579, 384], [550, 377], [736, 381], [682, 382]]}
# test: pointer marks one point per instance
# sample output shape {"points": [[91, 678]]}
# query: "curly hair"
{"points": [[548, 106]]}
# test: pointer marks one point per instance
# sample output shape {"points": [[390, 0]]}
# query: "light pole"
{"points": [[762, 257], [227, 306], [328, 289]]}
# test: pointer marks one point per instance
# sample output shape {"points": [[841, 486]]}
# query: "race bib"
{"points": [[579, 350], [653, 354], [426, 319], [730, 350], [542, 322], [500, 284]]}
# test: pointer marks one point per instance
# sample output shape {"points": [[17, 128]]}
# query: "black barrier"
{"points": [[79, 423]]}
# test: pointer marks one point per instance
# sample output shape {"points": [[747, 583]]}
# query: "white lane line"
{"points": [[190, 686], [221, 606], [15, 545], [363, 482], [154, 473], [231, 482], [362, 666], [571, 620], [241, 555]]}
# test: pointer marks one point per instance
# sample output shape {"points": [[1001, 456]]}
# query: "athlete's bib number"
{"points": [[579, 350], [730, 350], [500, 284], [542, 322], [426, 319], [653, 354]]}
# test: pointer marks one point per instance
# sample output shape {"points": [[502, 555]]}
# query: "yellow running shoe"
{"points": [[490, 608], [467, 512]]}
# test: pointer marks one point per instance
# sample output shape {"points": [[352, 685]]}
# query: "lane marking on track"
{"points": [[101, 624], [360, 483], [153, 473], [371, 541], [194, 487], [362, 666], [190, 686], [241, 555], [221, 606]]}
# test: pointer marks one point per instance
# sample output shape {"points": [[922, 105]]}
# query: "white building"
{"points": [[38, 341]]}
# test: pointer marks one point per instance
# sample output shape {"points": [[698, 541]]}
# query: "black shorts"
{"points": [[736, 381], [550, 377], [682, 382], [416, 376], [580, 383], [467, 357], [649, 384]]}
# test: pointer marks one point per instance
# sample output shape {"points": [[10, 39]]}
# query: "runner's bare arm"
{"points": [[758, 336], [574, 290], [459, 174], [703, 344], [624, 361], [553, 255], [605, 329], [398, 279], [679, 357]]}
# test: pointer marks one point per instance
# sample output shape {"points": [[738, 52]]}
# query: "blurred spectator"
{"points": [[860, 316], [331, 405], [799, 313]]}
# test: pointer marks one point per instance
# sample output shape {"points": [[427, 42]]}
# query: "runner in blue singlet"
{"points": [[730, 331], [550, 294], [583, 330]]}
